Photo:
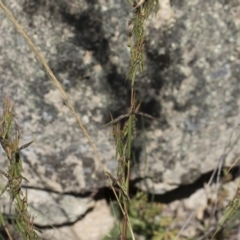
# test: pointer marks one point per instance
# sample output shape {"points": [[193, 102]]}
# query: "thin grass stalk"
{"points": [[127, 177], [136, 44], [3, 224], [59, 87], [123, 137], [54, 80], [229, 211]]}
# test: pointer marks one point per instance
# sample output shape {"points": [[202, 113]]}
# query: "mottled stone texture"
{"points": [[194, 69], [191, 83]]}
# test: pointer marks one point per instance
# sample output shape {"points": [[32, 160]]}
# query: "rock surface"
{"points": [[51, 209], [191, 83], [193, 68], [94, 226]]}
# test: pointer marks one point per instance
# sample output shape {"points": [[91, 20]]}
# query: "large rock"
{"points": [[193, 66], [190, 83]]}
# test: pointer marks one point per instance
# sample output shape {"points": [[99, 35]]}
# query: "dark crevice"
{"points": [[80, 195], [182, 192], [185, 191], [64, 224]]}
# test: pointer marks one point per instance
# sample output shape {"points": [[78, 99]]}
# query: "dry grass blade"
{"points": [[134, 110], [230, 211], [139, 4], [116, 182], [53, 79], [118, 119], [58, 86], [146, 115], [25, 145]]}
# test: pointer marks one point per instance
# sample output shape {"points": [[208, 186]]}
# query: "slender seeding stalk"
{"points": [[141, 10], [9, 140], [55, 82], [127, 179], [123, 136], [63, 94]]}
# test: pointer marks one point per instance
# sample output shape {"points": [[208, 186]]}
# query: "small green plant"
{"points": [[9, 140], [147, 220]]}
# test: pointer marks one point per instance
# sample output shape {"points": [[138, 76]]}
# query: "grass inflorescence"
{"points": [[9, 140], [124, 134]]}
